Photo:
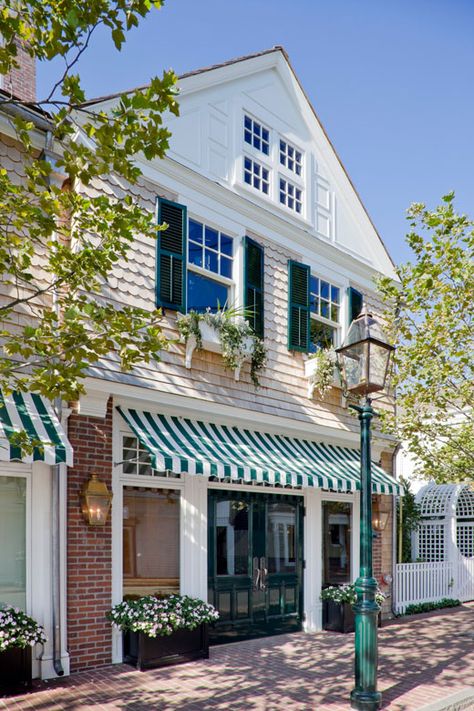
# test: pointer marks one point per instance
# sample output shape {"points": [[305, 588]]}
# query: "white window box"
{"points": [[310, 368], [211, 342]]}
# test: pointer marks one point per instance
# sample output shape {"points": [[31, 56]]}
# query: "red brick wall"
{"points": [[21, 82], [89, 549]]}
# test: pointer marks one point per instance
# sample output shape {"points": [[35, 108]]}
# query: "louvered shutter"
{"points": [[355, 303], [298, 306], [253, 285], [171, 256]]}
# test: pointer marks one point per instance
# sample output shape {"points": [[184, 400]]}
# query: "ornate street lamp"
{"points": [[96, 500], [364, 360]]}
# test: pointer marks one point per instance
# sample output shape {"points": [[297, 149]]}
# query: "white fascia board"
{"points": [[281, 230], [167, 403]]}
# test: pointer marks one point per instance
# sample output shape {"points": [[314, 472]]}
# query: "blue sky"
{"points": [[391, 80]]}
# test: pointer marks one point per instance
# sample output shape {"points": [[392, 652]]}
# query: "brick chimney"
{"points": [[21, 81]]}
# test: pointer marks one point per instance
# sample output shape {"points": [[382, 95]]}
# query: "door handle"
{"points": [[263, 574], [255, 574]]}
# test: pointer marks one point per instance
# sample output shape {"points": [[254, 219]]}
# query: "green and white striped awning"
{"points": [[181, 445], [33, 414]]}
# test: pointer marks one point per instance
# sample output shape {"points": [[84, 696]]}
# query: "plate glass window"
{"points": [[336, 542], [325, 313], [256, 175], [290, 196], [13, 537], [256, 135], [211, 250], [150, 541], [291, 157]]}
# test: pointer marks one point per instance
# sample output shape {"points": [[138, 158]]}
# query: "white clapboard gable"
{"points": [[208, 138]]}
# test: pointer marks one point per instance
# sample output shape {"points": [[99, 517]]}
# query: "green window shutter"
{"points": [[298, 306], [253, 285], [171, 256], [355, 303]]}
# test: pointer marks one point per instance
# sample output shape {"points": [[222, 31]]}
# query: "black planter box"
{"points": [[15, 670], [150, 652], [338, 616]]}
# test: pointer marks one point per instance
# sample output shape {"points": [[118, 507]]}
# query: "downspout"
{"points": [[55, 504], [394, 532]]}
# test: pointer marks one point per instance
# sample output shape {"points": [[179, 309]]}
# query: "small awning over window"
{"points": [[34, 414], [182, 445]]}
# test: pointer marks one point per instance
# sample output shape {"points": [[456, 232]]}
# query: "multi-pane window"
{"points": [[256, 135], [325, 305], [291, 157], [211, 250], [290, 195], [256, 175], [137, 460]]}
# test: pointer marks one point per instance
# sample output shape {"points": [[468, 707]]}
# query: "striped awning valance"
{"points": [[33, 414], [182, 445]]}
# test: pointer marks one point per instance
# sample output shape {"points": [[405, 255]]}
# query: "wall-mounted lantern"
{"points": [[96, 500], [379, 518]]}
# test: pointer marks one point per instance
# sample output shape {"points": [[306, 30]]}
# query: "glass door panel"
{"points": [[255, 564], [13, 538], [337, 518]]}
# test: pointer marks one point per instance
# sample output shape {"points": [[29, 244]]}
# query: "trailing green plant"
{"points": [[160, 617], [415, 609], [322, 378], [17, 629], [346, 593], [235, 335], [408, 519]]}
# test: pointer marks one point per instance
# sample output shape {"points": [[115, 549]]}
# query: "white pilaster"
{"points": [[194, 536], [313, 557]]}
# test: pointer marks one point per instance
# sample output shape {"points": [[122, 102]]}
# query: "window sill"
{"points": [[211, 342]]}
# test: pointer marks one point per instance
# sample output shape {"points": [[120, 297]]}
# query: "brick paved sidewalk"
{"points": [[422, 660]]}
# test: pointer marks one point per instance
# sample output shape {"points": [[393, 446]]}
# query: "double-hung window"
{"points": [[256, 135], [325, 312], [210, 265]]}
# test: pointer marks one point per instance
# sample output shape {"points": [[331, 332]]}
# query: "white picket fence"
{"points": [[429, 582]]}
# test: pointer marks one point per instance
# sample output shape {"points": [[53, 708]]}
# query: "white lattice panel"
{"points": [[465, 539], [431, 542], [465, 503]]}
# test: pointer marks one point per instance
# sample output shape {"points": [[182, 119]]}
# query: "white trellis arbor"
{"points": [[443, 545]]}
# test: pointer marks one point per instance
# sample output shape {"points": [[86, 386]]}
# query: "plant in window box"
{"points": [[163, 631], [338, 615], [226, 331], [321, 369], [18, 634]]}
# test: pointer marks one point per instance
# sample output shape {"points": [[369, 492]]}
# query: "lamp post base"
{"points": [[366, 700]]}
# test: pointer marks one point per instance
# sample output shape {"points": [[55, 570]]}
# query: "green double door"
{"points": [[255, 558]]}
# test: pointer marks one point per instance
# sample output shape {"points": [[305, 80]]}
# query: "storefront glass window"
{"points": [[150, 541], [232, 537], [13, 541], [281, 538], [336, 542]]}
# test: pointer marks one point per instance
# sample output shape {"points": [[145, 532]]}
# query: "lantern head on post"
{"points": [[379, 517], [364, 357], [96, 500]]}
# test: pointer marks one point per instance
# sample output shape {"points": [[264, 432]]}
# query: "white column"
{"points": [[313, 557], [193, 568]]}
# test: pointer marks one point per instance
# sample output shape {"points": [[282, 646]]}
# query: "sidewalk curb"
{"points": [[461, 701]]}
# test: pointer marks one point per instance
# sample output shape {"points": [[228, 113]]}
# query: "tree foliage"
{"points": [[430, 316], [58, 245], [408, 519]]}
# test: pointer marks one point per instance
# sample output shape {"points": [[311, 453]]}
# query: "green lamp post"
{"points": [[364, 359]]}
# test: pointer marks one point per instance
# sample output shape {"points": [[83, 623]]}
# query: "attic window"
{"points": [[291, 157], [256, 135], [256, 175], [290, 195]]}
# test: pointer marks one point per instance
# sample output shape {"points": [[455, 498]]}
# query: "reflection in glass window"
{"points": [[150, 541], [232, 537], [281, 538], [204, 293], [336, 542], [210, 249], [13, 538]]}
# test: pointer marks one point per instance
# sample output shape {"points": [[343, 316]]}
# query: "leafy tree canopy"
{"points": [[430, 316], [58, 245]]}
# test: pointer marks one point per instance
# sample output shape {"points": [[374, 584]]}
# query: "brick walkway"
{"points": [[422, 660]]}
